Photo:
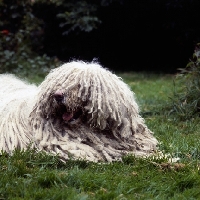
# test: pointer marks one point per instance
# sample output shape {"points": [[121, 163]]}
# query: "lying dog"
{"points": [[80, 110]]}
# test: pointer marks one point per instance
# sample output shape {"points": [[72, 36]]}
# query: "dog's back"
{"points": [[10, 83], [16, 98]]}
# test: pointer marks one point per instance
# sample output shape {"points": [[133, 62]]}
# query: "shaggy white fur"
{"points": [[80, 110]]}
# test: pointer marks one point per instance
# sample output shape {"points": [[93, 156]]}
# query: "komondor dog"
{"points": [[79, 111]]}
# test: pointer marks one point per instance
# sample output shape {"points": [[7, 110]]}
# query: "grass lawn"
{"points": [[29, 175]]}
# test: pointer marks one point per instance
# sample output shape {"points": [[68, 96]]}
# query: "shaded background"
{"points": [[134, 35]]}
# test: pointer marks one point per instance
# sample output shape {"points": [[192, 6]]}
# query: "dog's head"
{"points": [[89, 94]]}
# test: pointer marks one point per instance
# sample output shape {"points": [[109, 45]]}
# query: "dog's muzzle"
{"points": [[67, 116], [59, 96]]}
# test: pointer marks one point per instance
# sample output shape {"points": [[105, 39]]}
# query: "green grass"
{"points": [[31, 175]]}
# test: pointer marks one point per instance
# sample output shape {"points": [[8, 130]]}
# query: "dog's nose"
{"points": [[59, 96]]}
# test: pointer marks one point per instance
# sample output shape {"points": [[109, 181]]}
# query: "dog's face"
{"points": [[67, 107], [60, 99]]}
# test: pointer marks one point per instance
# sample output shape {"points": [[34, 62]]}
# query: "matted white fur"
{"points": [[80, 110]]}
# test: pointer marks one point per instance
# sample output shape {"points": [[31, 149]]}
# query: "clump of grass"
{"points": [[186, 97], [134, 178]]}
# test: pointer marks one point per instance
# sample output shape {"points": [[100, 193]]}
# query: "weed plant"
{"points": [[32, 175], [186, 97]]}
